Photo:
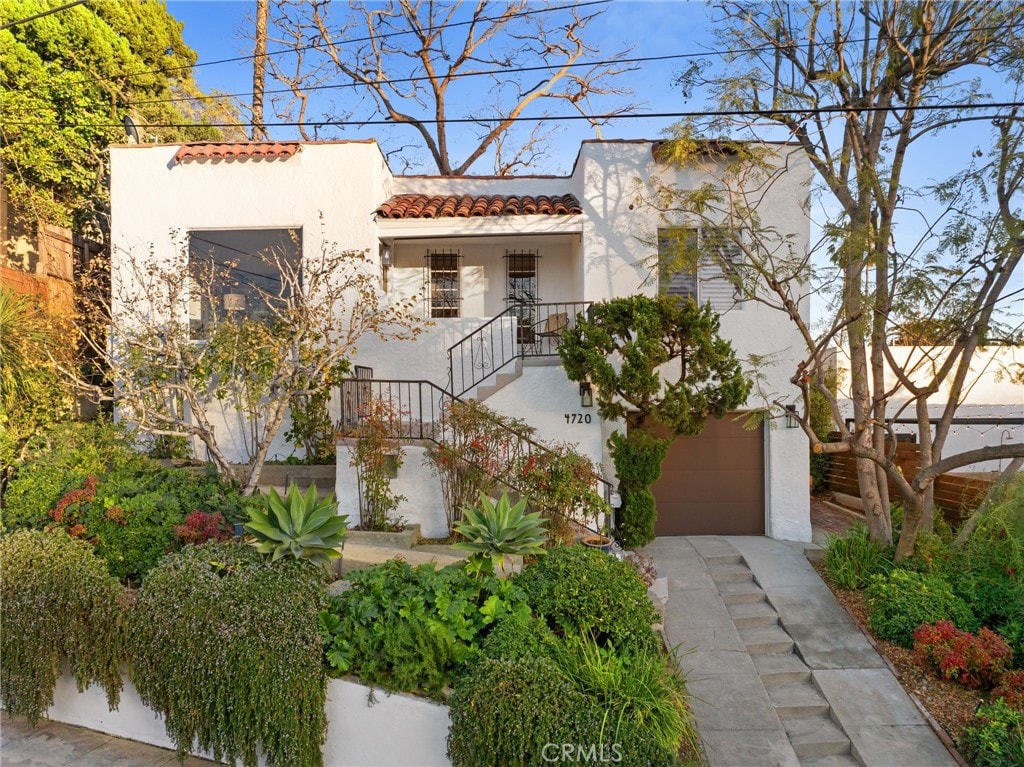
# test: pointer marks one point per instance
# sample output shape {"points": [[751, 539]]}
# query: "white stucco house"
{"points": [[503, 263]]}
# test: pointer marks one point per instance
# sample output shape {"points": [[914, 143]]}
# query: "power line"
{"points": [[489, 72], [40, 15], [385, 35], [839, 109]]}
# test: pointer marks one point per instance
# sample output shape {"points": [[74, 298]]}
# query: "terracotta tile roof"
{"points": [[469, 206], [214, 152]]}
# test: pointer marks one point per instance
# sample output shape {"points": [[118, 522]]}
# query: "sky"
{"points": [[216, 30]]}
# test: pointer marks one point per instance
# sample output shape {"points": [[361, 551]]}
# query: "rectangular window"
{"points": [[444, 284], [677, 258], [693, 262], [521, 291], [240, 274]]}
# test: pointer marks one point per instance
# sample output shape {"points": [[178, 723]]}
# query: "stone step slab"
{"points": [[752, 615], [781, 668], [816, 736], [732, 573], [740, 593], [835, 760], [723, 559], [765, 640], [797, 701]]}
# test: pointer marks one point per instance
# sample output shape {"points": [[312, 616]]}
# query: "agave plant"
{"points": [[299, 524], [494, 532]]}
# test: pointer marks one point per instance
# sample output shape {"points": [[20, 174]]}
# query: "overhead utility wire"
{"points": [[385, 35], [507, 71], [40, 15], [606, 117]]}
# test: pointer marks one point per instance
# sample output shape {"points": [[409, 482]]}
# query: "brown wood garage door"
{"points": [[713, 484]]}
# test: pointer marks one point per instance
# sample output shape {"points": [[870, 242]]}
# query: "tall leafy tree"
{"points": [[652, 360], [67, 81], [862, 89]]}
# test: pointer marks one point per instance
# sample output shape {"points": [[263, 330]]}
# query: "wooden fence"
{"points": [[956, 494]]}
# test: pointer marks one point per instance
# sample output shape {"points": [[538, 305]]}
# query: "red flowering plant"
{"points": [[562, 484], [972, 660], [200, 527], [478, 453], [377, 456], [1011, 689], [68, 510]]}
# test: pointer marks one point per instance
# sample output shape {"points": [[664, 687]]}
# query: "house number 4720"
{"points": [[573, 418]]}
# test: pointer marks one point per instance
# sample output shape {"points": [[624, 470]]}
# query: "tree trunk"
{"points": [[913, 518], [259, 70]]}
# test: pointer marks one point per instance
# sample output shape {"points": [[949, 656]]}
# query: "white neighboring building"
{"points": [[991, 408], [505, 263]]}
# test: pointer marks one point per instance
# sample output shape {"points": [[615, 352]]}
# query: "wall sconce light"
{"points": [[586, 394], [234, 302], [792, 420], [385, 255]]}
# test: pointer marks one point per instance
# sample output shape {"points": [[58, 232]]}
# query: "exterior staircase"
{"points": [[817, 739]]}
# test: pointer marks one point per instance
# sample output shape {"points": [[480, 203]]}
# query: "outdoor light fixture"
{"points": [[385, 256], [792, 421], [586, 394], [234, 302]]}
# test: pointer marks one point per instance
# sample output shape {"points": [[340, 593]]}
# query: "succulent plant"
{"points": [[299, 524], [494, 532]]}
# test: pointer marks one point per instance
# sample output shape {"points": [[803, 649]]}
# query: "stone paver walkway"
{"points": [[52, 744], [779, 674]]}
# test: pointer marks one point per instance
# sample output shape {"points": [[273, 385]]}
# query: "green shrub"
{"points": [[990, 566], [56, 601], [996, 738], [226, 647], [507, 711], [59, 460], [853, 558], [820, 466], [904, 599], [127, 515], [641, 697], [579, 590], [638, 458], [514, 637], [406, 628]]}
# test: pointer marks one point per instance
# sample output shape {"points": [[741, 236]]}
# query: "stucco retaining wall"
{"points": [[364, 728]]}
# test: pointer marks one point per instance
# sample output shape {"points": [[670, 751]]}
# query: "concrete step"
{"points": [[797, 701], [765, 640], [752, 615], [499, 381], [816, 736], [781, 668], [723, 559], [740, 593], [836, 760], [731, 573], [361, 557]]}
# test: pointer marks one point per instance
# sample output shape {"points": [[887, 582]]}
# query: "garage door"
{"points": [[713, 484]]}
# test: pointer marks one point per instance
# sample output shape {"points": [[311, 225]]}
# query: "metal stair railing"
{"points": [[423, 410], [504, 338]]}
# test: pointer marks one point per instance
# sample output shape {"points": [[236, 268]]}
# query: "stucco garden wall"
{"points": [[364, 728]]}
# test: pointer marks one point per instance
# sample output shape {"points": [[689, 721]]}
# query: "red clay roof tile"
{"points": [[469, 206], [215, 151]]}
